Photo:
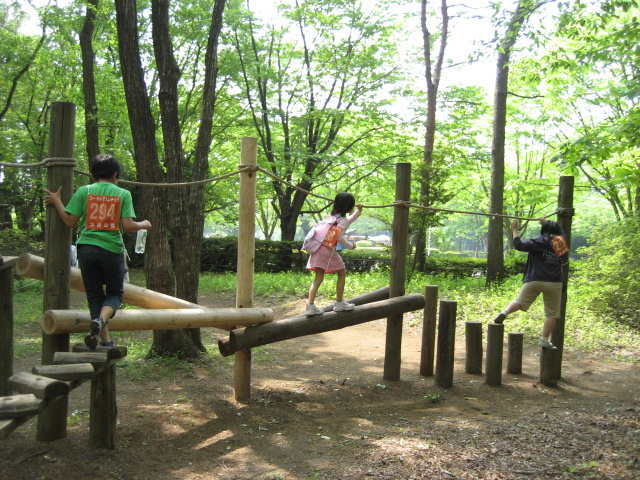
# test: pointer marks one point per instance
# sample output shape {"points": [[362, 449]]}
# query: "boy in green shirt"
{"points": [[103, 210]]}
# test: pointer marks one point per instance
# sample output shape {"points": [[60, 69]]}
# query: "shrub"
{"points": [[15, 242], [608, 277]]}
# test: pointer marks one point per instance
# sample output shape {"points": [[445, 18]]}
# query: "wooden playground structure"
{"points": [[44, 391]]}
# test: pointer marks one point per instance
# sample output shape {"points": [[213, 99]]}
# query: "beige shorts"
{"points": [[551, 294]]}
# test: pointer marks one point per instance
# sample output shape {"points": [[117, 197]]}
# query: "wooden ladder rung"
{"points": [[16, 406], [66, 372], [41, 387]]}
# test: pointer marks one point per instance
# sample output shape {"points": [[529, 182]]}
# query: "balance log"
{"points": [[301, 325], [32, 266], [41, 387], [16, 406], [77, 321]]}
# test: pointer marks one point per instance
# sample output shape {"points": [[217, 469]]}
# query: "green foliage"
{"points": [[609, 276], [15, 242]]}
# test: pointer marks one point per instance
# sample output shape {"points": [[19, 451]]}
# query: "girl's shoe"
{"points": [[545, 343], [343, 306], [313, 310], [107, 344]]}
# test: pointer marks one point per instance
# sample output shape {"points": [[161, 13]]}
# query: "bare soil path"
{"points": [[321, 410]]}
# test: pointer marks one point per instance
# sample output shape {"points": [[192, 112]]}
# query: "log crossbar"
{"points": [[298, 326], [77, 321], [38, 392]]}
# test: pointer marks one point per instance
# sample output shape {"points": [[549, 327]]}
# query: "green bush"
{"points": [[15, 242], [608, 277]]}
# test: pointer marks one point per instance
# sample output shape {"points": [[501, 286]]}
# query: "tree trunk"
{"points": [[495, 257], [158, 266], [432, 75], [88, 81]]}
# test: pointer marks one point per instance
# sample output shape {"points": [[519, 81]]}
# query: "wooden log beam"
{"points": [[293, 327], [41, 387], [32, 266], [97, 359], [16, 406], [113, 353], [77, 321], [70, 372]]}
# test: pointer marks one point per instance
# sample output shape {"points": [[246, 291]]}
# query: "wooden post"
{"points": [[246, 259], [514, 352], [548, 366], [493, 366], [429, 317], [446, 343], [565, 214], [52, 421], [6, 323], [400, 240], [103, 409], [473, 341]]}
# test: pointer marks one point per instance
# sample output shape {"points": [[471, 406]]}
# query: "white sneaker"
{"points": [[313, 310], [342, 306], [545, 343]]}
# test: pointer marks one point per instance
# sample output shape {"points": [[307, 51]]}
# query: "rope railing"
{"points": [[62, 161]]}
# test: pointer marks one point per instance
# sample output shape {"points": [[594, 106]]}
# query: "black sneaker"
{"points": [[91, 341], [96, 326], [500, 318]]}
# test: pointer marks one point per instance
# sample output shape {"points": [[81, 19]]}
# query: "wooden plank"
{"points": [[245, 338], [41, 387], [17, 406], [8, 426], [8, 262], [69, 372], [113, 353], [97, 359]]}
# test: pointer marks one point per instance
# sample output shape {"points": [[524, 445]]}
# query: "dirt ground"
{"points": [[321, 410]]}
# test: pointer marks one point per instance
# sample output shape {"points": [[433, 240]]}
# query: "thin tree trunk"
{"points": [[495, 257], [89, 82]]}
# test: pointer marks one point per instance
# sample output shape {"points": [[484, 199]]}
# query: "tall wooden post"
{"points": [[565, 217], [429, 320], [6, 323], [493, 364], [52, 421], [398, 266], [246, 259]]}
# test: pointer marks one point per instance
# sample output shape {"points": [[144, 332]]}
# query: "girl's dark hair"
{"points": [[343, 204], [103, 166], [550, 228]]}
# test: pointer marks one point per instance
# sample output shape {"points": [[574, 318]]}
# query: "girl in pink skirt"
{"points": [[327, 260]]}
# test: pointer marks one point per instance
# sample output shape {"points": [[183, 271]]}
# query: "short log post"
{"points": [[103, 409], [6, 323], [514, 352], [446, 343], [429, 321], [548, 366], [246, 259], [493, 366], [400, 241], [52, 421], [473, 342]]}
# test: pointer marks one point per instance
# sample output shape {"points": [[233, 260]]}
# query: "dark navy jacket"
{"points": [[542, 263]]}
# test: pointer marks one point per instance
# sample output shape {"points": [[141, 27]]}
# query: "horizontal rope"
{"points": [[54, 161]]}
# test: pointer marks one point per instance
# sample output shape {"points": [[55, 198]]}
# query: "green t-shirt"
{"points": [[104, 192]]}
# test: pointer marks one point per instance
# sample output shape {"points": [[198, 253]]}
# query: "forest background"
{"points": [[337, 93]]}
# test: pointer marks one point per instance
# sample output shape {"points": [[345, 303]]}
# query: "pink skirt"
{"points": [[327, 259]]}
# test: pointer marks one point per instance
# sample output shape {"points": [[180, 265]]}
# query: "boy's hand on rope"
{"points": [[359, 206]]}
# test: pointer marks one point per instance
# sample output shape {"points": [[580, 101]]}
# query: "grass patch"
{"points": [[584, 331]]}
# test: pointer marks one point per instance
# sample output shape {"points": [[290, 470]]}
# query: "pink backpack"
{"points": [[313, 240]]}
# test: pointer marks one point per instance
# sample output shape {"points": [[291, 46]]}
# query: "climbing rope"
{"points": [[63, 161]]}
